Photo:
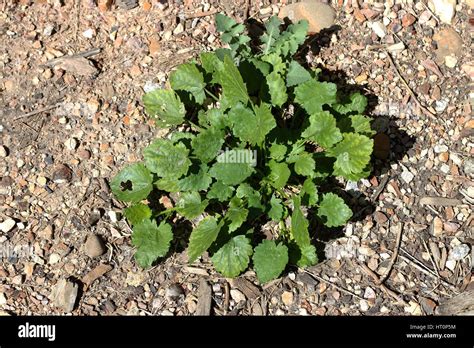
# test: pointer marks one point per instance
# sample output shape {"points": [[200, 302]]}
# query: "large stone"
{"points": [[64, 295], [444, 9], [449, 43], [319, 15]]}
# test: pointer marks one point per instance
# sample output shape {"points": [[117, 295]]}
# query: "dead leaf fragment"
{"points": [[79, 66]]}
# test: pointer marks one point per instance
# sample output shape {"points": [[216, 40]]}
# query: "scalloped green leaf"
{"points": [[269, 260], [137, 213], [310, 192], [305, 165], [231, 173], [352, 154], [308, 256], [190, 205], [279, 174], [234, 257], [312, 95], [202, 236], [253, 196], [206, 144], [188, 78], [278, 152], [334, 210], [166, 159], [236, 214], [133, 183], [152, 241], [220, 191], [277, 89], [165, 106], [276, 209], [322, 129], [196, 182], [296, 74], [249, 126]]}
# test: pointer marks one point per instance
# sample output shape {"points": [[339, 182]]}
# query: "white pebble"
{"points": [[7, 225], [379, 29]]}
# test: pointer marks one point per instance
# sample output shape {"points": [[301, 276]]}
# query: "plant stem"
{"points": [[212, 95]]}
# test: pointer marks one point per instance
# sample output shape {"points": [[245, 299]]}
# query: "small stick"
{"points": [[422, 268], [37, 111], [380, 188], [433, 263], [227, 298], [332, 284], [84, 54], [427, 7], [201, 14], [382, 286], [412, 94], [394, 255]]}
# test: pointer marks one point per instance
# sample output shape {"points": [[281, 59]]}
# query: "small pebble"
{"points": [[71, 144], [7, 225], [287, 298], [459, 252], [3, 151], [94, 246], [379, 29], [237, 295]]}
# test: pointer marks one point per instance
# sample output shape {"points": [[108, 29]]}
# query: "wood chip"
{"points": [[204, 299], [249, 289], [79, 66], [461, 304], [440, 201], [96, 273]]}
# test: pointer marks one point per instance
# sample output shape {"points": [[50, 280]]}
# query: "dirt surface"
{"points": [[68, 125]]}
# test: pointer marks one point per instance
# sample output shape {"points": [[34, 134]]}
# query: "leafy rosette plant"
{"points": [[254, 137]]}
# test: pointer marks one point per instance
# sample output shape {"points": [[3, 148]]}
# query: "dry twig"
{"points": [[333, 284], [394, 255], [412, 94]]}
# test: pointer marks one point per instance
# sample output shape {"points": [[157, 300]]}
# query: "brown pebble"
{"points": [[408, 20], [83, 154], [380, 217], [62, 174], [94, 246]]}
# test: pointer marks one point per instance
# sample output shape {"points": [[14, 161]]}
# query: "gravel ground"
{"points": [[68, 125]]}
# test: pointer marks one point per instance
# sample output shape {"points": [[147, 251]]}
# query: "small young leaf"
{"points": [[278, 151], [166, 106], [202, 237], [357, 103], [308, 256], [352, 154], [279, 174], [206, 144], [269, 260], [276, 62], [322, 129], [277, 89], [299, 225], [190, 205], [288, 42], [166, 159], [152, 241], [304, 165], [220, 191], [137, 213], [188, 78], [296, 74], [253, 196], [236, 214], [276, 209], [210, 62], [312, 95], [273, 32], [310, 191], [133, 183], [361, 125], [334, 210], [233, 258]]}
